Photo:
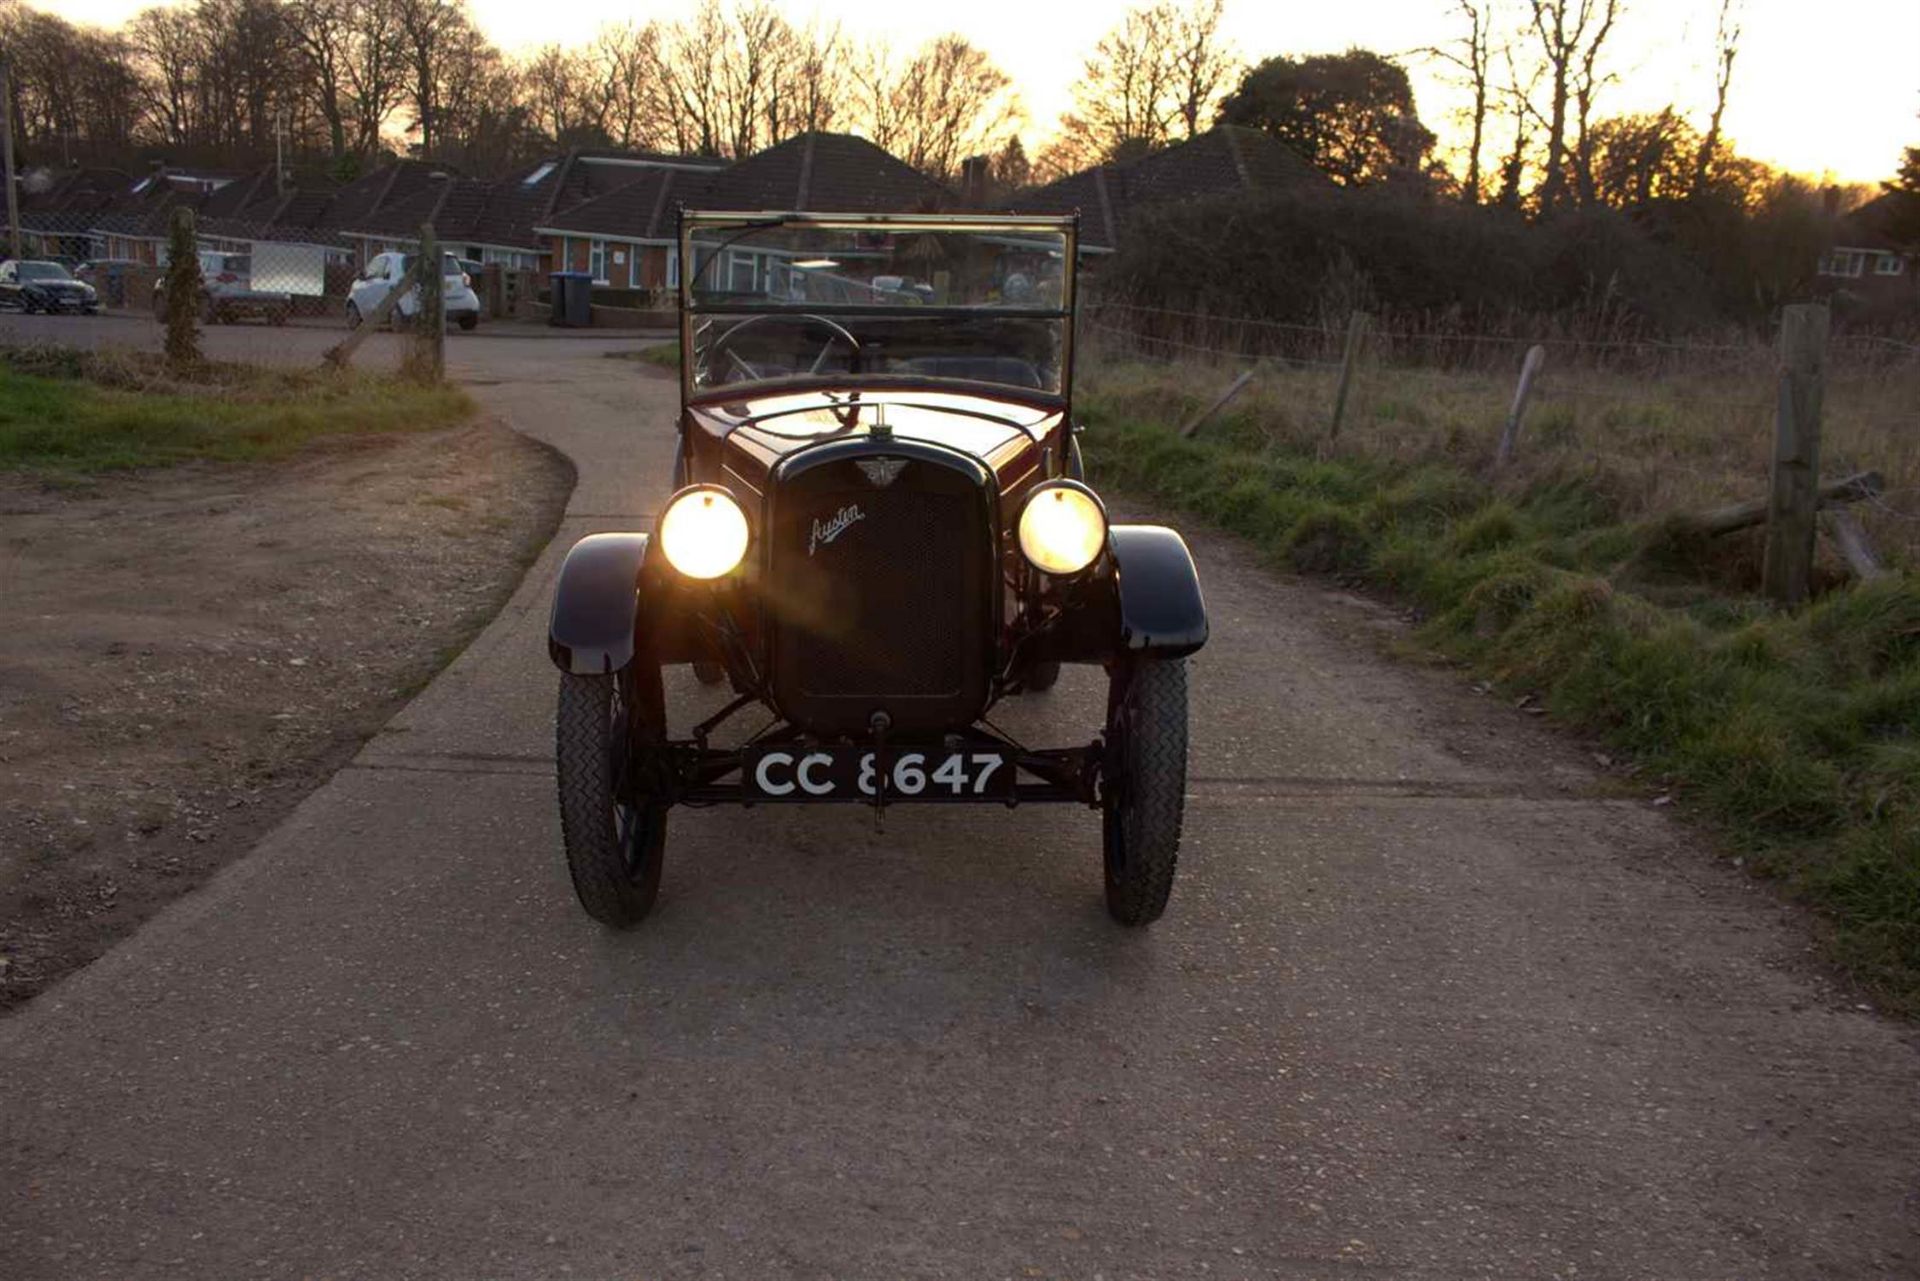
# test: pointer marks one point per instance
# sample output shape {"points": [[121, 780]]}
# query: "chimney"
{"points": [[973, 182]]}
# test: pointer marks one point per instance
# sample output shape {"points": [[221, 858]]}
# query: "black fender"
{"points": [[596, 604], [1142, 601], [1162, 614]]}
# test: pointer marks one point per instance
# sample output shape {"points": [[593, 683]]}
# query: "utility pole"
{"points": [[6, 155], [280, 152]]}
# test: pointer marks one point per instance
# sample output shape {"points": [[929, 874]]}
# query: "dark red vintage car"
{"points": [[880, 528]]}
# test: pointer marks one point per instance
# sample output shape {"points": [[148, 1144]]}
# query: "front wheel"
{"points": [[353, 316], [467, 321], [608, 731], [1145, 799]]}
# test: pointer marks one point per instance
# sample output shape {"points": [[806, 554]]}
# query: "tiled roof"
{"points": [[1224, 159], [641, 210], [1877, 223], [826, 172]]}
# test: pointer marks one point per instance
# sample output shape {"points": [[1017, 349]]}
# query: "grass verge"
{"points": [[74, 412], [1795, 731], [661, 355]]}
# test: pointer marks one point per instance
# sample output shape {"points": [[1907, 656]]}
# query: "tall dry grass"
{"points": [[1658, 428]]}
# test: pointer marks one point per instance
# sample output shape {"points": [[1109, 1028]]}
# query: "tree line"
{"points": [[342, 82]]}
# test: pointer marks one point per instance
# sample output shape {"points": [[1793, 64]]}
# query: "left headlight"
{"points": [[1063, 527], [703, 532]]}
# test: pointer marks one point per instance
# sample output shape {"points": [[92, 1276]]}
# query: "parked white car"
{"points": [[377, 281]]}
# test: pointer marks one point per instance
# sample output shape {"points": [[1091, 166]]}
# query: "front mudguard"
{"points": [[596, 605], [1144, 603]]}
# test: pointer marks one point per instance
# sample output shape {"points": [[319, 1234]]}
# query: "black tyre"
{"points": [[605, 729], [353, 316], [467, 321], [1146, 800], [1041, 677]]}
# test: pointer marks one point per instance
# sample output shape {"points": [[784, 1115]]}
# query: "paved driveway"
{"points": [[1432, 1000]]}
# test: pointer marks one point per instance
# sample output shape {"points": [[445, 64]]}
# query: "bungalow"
{"points": [[1225, 159], [626, 237], [1872, 264]]}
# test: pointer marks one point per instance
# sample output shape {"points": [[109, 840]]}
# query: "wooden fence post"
{"points": [[1193, 424], [1522, 393], [1356, 335], [427, 361], [1793, 500], [338, 355]]}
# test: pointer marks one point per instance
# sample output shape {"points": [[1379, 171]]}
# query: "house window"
{"points": [[741, 270], [1889, 265], [1844, 262], [597, 260]]}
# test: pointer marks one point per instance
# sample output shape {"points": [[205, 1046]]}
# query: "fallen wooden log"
{"points": [[1725, 520], [1851, 538]]}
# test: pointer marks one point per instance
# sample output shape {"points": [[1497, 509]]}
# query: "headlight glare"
{"points": [[1062, 528], [703, 532]]}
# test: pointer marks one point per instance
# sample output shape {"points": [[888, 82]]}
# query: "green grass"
{"points": [[1797, 732], [665, 355], [87, 415]]}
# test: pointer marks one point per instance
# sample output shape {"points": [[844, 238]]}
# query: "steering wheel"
{"points": [[722, 346]]}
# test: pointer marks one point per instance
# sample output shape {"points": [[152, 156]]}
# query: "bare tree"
{"points": [[323, 32], [1571, 34], [562, 95], [1471, 57], [1513, 166], [1154, 78], [374, 72], [632, 106], [429, 33], [167, 43], [1204, 65], [948, 102], [1726, 46]]}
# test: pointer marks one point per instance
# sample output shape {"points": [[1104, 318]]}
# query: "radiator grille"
{"points": [[879, 596]]}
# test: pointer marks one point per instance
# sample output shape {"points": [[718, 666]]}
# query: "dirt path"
{"points": [[1435, 998], [189, 652]]}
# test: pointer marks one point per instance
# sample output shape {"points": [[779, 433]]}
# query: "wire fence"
{"points": [[1663, 425]]}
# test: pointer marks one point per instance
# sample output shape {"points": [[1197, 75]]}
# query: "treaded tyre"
{"points": [[467, 321], [1142, 808], [615, 836]]}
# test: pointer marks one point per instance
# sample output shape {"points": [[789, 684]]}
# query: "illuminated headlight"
{"points": [[1063, 527], [703, 532]]}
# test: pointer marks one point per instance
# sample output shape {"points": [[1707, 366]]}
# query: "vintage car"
{"points": [[879, 530]]}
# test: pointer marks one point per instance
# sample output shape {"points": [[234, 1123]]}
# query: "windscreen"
{"points": [[774, 300], [43, 271]]}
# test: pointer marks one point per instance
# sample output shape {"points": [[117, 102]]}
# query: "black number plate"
{"points": [[855, 774]]}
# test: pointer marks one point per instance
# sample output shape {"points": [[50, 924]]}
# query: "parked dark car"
{"points": [[35, 285], [227, 292], [879, 531]]}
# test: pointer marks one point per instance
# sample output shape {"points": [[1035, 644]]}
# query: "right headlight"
{"points": [[703, 532], [1063, 527]]}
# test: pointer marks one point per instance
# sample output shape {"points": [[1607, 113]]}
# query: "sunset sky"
{"points": [[1829, 88]]}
